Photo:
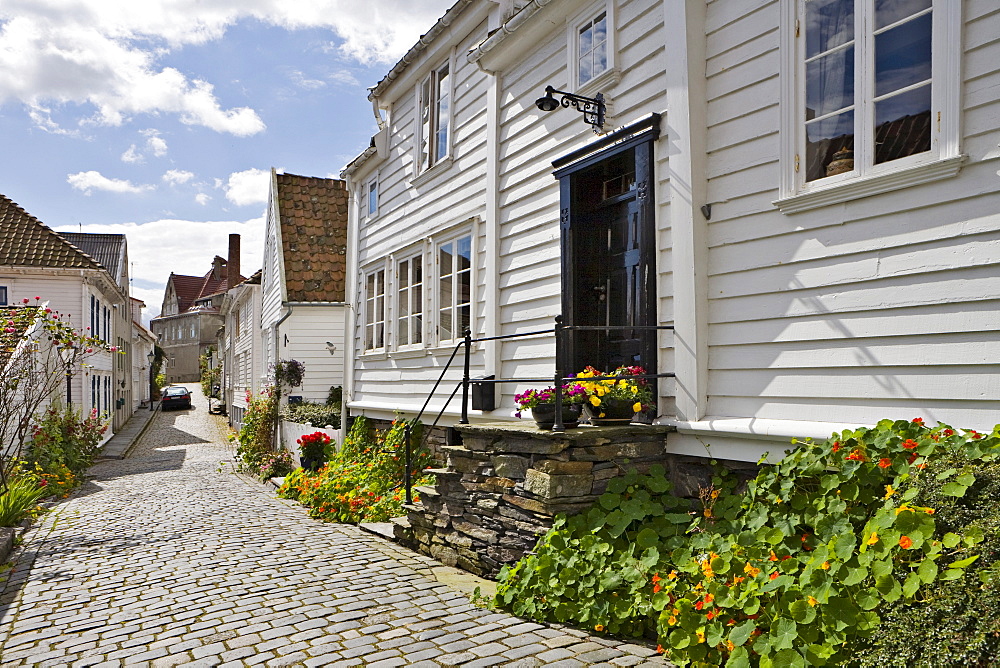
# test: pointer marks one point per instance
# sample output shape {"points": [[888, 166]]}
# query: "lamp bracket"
{"points": [[593, 108]]}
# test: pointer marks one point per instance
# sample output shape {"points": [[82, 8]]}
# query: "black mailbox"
{"points": [[484, 395]]}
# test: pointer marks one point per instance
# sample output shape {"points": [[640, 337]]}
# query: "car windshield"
{"points": [[175, 391]]}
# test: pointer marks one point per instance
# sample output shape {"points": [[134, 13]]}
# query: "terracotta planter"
{"points": [[545, 415]]}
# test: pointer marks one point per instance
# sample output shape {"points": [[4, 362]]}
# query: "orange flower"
{"points": [[773, 556], [699, 605], [873, 539], [656, 578], [836, 446], [812, 601], [752, 571], [737, 580], [905, 542], [856, 455], [657, 588], [672, 575], [659, 649], [910, 444], [709, 615], [598, 627], [884, 463], [825, 565], [709, 598], [774, 575]]}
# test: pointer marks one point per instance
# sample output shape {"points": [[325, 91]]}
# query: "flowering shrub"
{"points": [[257, 433], [65, 440], [313, 446], [571, 394], [603, 389], [275, 465], [363, 481], [289, 372], [792, 572], [309, 412]]}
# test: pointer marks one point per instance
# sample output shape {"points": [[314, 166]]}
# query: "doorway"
{"points": [[608, 259]]}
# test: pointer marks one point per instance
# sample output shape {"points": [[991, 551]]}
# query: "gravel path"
{"points": [[167, 558]]}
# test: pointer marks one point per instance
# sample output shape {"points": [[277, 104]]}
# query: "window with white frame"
{"points": [[592, 48], [454, 279], [409, 302], [375, 310], [435, 116], [373, 197], [875, 90]]}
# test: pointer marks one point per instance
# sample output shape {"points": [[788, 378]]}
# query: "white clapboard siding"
{"points": [[880, 307]]}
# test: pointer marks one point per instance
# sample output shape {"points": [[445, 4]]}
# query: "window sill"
{"points": [[439, 167], [872, 185], [408, 353], [603, 80], [373, 356]]}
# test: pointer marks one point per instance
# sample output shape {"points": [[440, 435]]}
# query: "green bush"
{"points": [[255, 440], [308, 412], [362, 481], [20, 499], [64, 438], [797, 570]]}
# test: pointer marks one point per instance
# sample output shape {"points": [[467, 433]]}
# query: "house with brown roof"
{"points": [[85, 277], [304, 311], [190, 318]]}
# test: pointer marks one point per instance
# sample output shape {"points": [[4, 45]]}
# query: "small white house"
{"points": [[240, 347], [807, 191], [303, 307]]}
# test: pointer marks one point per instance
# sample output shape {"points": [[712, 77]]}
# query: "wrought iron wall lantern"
{"points": [[592, 107]]}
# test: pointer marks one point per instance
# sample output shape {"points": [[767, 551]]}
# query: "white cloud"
{"points": [[94, 180], [300, 80], [108, 55], [176, 177], [345, 78], [248, 187], [157, 248], [202, 198], [155, 143], [132, 155]]}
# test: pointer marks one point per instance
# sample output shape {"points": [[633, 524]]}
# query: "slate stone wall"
{"points": [[501, 489]]}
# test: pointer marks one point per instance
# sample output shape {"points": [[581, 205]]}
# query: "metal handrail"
{"points": [[558, 379]]}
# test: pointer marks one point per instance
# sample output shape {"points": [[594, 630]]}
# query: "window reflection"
{"points": [[903, 55], [829, 24], [903, 125]]}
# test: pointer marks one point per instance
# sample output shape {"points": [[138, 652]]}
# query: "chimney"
{"points": [[233, 265]]}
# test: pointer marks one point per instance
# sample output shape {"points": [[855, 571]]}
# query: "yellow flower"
{"points": [[701, 636], [825, 565], [708, 512], [595, 401], [873, 539], [889, 491], [714, 494], [812, 601], [672, 575], [671, 620], [598, 627], [636, 407]]}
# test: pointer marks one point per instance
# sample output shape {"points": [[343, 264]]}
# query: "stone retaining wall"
{"points": [[503, 486]]}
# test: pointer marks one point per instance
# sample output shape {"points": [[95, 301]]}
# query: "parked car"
{"points": [[176, 396]]}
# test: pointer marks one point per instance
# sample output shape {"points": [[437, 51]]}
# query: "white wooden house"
{"points": [[241, 347], [807, 190], [84, 277], [303, 309]]}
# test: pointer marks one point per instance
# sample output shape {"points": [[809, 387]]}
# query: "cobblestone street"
{"points": [[167, 558]]}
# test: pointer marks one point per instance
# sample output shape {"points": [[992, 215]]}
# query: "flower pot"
{"points": [[311, 464], [545, 415], [610, 412]]}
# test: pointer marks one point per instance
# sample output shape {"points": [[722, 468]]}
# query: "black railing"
{"points": [[560, 332]]}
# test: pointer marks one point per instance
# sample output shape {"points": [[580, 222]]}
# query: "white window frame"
{"points": [[942, 161], [372, 211], [612, 74], [454, 305], [427, 91], [370, 305], [418, 258]]}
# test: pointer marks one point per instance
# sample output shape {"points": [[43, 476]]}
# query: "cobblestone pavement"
{"points": [[167, 558]]}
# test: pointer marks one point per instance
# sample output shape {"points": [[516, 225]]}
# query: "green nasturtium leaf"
{"points": [[868, 599], [741, 633], [802, 612], [911, 585], [784, 634], [928, 571], [789, 658], [962, 563], [679, 639], [966, 479], [740, 658], [953, 489], [950, 540], [647, 538], [951, 574], [844, 547]]}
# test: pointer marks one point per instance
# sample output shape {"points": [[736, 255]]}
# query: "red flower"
{"points": [[699, 605], [905, 542], [856, 455], [912, 458], [774, 575], [918, 420], [910, 444], [884, 463], [836, 446], [657, 588], [948, 432]]}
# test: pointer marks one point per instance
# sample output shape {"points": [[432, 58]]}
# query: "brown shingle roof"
{"points": [[312, 213], [187, 289], [26, 242]]}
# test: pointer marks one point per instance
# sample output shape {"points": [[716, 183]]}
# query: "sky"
{"points": [[162, 119]]}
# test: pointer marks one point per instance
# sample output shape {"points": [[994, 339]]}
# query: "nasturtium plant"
{"points": [[793, 570]]}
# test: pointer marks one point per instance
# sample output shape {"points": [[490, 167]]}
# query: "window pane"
{"points": [[600, 58], [903, 125], [600, 28], [463, 320], [372, 197], [403, 275], [402, 333], [888, 12], [903, 55], [586, 39], [443, 113], [445, 330], [425, 123], [464, 253], [829, 23], [417, 319], [830, 146], [586, 68], [830, 83], [444, 260]]}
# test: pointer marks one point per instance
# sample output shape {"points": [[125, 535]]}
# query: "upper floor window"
{"points": [[373, 197], [875, 92], [409, 301], [454, 288], [435, 116], [375, 310], [3, 295], [592, 48]]}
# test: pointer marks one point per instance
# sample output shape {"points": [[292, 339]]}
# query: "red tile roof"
{"points": [[312, 213], [27, 242], [190, 289]]}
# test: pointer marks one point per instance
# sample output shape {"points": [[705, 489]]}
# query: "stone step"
{"points": [[401, 522], [429, 492], [413, 507]]}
